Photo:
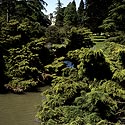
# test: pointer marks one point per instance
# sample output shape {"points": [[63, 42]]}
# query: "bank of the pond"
{"points": [[18, 109]]}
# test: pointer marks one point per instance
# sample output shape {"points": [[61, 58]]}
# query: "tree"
{"points": [[15, 34], [75, 101], [81, 13], [96, 11], [20, 9], [116, 17], [95, 60], [79, 38], [59, 14], [70, 14], [21, 23], [25, 65], [114, 24], [7, 8], [59, 5], [52, 34], [31, 10]]}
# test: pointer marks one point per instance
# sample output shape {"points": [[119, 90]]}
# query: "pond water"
{"points": [[21, 109], [69, 64]]}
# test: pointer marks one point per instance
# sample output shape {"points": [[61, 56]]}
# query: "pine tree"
{"points": [[96, 11], [116, 17], [31, 10], [59, 5], [81, 13], [114, 24], [13, 9], [7, 8], [70, 14], [59, 14]]}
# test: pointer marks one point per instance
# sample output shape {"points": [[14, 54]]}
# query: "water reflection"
{"points": [[20, 109], [69, 64]]}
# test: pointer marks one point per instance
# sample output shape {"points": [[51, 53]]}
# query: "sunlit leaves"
{"points": [[26, 63]]}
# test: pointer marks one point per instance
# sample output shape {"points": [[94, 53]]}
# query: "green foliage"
{"points": [[9, 34], [115, 18], [62, 93], [114, 25], [27, 57], [26, 64], [113, 89], [53, 35], [74, 102], [22, 24], [62, 41], [79, 38], [94, 61], [81, 13], [71, 72], [19, 85], [91, 92], [119, 76], [29, 29], [15, 34], [20, 10], [74, 55], [56, 66], [70, 14], [59, 49], [96, 11], [59, 14], [118, 37], [121, 56]]}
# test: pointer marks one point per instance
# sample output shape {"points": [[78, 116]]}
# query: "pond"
{"points": [[69, 64], [20, 109]]}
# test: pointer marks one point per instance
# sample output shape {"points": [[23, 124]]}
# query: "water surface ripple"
{"points": [[19, 109]]}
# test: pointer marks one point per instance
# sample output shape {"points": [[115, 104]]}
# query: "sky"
{"points": [[52, 4]]}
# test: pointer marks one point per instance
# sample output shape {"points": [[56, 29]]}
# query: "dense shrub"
{"points": [[90, 92], [25, 64], [70, 102]]}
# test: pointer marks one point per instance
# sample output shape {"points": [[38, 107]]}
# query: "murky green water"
{"points": [[19, 109]]}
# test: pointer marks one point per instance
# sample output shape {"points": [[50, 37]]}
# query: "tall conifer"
{"points": [[59, 14], [81, 13], [20, 9], [96, 11], [115, 20], [70, 14], [114, 24]]}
